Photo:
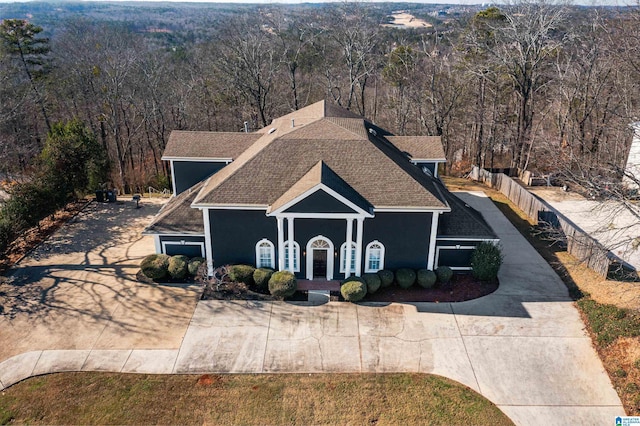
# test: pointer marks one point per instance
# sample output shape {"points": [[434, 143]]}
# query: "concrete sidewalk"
{"points": [[523, 347]]}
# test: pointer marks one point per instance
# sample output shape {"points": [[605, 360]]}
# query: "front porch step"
{"points": [[319, 285]]}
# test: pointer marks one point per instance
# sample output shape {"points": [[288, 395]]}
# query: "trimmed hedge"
{"points": [[426, 278], [194, 265], [178, 266], [353, 289], [405, 277], [486, 261], [261, 277], [282, 284], [242, 274], [373, 282], [155, 266], [386, 277], [444, 274]]}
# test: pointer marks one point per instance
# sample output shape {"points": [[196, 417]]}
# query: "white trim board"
{"points": [[199, 159], [183, 243]]}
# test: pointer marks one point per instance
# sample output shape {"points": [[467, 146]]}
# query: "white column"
{"points": [[359, 246], [432, 240], [207, 241], [347, 266], [173, 176], [156, 241], [280, 243], [290, 239]]}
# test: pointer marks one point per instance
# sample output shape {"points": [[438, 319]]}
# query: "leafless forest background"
{"points": [[534, 85]]}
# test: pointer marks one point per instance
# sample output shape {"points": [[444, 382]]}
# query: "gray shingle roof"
{"points": [[177, 216], [463, 221], [369, 164], [419, 147], [221, 145]]}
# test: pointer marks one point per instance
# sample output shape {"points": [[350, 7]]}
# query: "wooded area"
{"points": [[533, 85]]}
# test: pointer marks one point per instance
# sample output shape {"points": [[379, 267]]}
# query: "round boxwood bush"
{"points": [[242, 274], [178, 266], [485, 261], [261, 277], [386, 277], [282, 284], [444, 274], [155, 266], [194, 264], [426, 278], [405, 277], [373, 282], [353, 289]]}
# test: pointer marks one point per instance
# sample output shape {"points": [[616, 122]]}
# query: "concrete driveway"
{"points": [[523, 347], [78, 289]]}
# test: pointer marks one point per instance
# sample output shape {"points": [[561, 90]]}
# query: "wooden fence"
{"points": [[579, 244]]}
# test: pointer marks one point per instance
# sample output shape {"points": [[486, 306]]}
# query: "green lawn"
{"points": [[286, 399]]}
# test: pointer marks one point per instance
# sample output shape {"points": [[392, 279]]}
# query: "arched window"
{"points": [[374, 256], [343, 257], [296, 256], [265, 254]]}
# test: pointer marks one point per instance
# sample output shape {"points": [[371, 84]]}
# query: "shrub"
{"points": [[178, 266], [405, 277], [386, 277], [242, 274], [444, 274], [353, 289], [155, 266], [426, 278], [282, 284], [485, 261], [261, 277], [194, 264], [7, 234], [373, 282]]}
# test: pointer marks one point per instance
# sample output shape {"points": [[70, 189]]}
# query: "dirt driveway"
{"points": [[78, 290]]}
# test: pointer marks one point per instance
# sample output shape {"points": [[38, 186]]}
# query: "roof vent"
{"points": [[271, 130], [293, 123], [246, 127], [373, 132]]}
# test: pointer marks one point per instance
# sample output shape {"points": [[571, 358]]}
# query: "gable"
{"points": [[320, 202]]}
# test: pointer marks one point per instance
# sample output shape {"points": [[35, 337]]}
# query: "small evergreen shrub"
{"points": [[194, 264], [405, 277], [444, 274], [282, 284], [373, 282], [485, 261], [242, 274], [261, 277], [178, 266], [155, 266], [386, 277], [353, 289], [426, 278]]}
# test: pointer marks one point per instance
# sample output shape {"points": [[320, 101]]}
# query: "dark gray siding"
{"points": [[455, 257], [320, 202], [333, 229], [405, 237], [236, 232], [188, 173], [175, 246]]}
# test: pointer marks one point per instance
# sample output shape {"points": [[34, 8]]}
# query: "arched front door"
{"points": [[319, 258]]}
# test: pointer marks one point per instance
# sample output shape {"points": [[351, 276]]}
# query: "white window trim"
{"points": [[343, 254], [183, 243], [368, 255], [272, 254], [296, 252]]}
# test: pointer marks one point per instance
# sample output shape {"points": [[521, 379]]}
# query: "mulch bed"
{"points": [[461, 287]]}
